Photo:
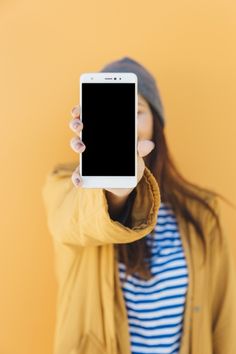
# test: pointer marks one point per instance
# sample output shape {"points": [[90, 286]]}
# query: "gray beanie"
{"points": [[147, 86]]}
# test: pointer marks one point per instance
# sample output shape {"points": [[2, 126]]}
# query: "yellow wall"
{"points": [[45, 45]]}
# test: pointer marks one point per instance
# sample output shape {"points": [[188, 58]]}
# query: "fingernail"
{"points": [[78, 146], [76, 124], [77, 180]]}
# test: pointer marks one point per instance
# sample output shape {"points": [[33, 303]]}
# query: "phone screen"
{"points": [[108, 116]]}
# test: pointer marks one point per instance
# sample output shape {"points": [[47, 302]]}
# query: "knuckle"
{"points": [[73, 140], [75, 124], [75, 110], [77, 144], [76, 179]]}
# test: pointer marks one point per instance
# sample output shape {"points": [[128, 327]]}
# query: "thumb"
{"points": [[145, 147]]}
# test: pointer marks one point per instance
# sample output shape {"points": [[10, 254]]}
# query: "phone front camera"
{"points": [[115, 78]]}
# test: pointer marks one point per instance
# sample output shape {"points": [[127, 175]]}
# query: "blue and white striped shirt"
{"points": [[155, 307]]}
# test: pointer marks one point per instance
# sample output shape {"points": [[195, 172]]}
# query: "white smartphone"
{"points": [[108, 103]]}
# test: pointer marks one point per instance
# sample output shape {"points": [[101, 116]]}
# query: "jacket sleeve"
{"points": [[80, 217], [223, 289]]}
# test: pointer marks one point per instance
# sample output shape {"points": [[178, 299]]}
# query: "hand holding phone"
{"points": [[144, 148]]}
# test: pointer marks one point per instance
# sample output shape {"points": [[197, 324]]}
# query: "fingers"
{"points": [[76, 178], [145, 147], [75, 124], [75, 112], [76, 143]]}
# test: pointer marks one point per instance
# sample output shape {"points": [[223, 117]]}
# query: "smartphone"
{"points": [[108, 103]]}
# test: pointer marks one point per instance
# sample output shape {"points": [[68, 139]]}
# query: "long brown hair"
{"points": [[175, 190]]}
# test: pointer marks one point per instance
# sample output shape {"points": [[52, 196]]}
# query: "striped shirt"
{"points": [[155, 307]]}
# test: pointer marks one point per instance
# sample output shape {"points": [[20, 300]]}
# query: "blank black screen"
{"points": [[108, 116]]}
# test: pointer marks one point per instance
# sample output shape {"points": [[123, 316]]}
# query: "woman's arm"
{"points": [[80, 216]]}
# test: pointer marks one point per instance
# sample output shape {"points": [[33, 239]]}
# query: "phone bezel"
{"points": [[109, 181]]}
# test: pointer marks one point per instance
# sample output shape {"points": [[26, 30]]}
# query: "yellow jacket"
{"points": [[91, 313]]}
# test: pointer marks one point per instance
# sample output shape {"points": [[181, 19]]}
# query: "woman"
{"points": [[146, 270]]}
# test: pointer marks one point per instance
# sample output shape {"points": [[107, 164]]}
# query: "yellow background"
{"points": [[45, 45]]}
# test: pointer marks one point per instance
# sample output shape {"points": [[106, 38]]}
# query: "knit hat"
{"points": [[147, 85]]}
